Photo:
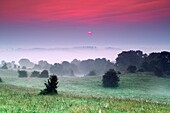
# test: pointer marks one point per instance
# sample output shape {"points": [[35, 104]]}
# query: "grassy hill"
{"points": [[141, 92], [20, 100]]}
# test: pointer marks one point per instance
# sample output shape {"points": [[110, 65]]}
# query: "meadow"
{"points": [[140, 92]]}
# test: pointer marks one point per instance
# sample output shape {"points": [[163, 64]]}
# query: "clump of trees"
{"points": [[159, 63], [110, 79], [91, 73], [131, 69], [51, 86], [100, 66], [129, 58], [44, 74], [35, 74], [22, 73]]}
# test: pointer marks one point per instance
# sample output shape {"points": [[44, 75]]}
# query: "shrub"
{"points": [[22, 74], [1, 80], [131, 69], [110, 79], [91, 73], [51, 86], [44, 74], [35, 74]]}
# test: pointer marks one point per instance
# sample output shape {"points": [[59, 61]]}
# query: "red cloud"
{"points": [[84, 11]]}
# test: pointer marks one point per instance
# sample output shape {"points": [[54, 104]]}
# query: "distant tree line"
{"points": [[86, 67], [132, 61], [127, 61]]}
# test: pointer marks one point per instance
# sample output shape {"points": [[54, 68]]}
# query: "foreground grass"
{"points": [[14, 99]]}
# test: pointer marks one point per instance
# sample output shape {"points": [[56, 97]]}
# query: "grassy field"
{"points": [[141, 92], [15, 99]]}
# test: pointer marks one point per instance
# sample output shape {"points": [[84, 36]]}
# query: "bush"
{"points": [[44, 74], [51, 86], [1, 80], [91, 73], [35, 74], [22, 74], [131, 69], [110, 79]]}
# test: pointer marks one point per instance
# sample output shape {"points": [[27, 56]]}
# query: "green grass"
{"points": [[140, 86], [141, 92], [14, 99]]}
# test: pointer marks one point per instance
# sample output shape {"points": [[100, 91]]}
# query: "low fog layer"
{"points": [[53, 55]]}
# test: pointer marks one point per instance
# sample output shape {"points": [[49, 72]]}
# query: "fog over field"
{"points": [[59, 54]]}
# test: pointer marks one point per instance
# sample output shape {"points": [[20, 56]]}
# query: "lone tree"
{"points": [[44, 74], [131, 69], [51, 86], [22, 74], [110, 79]]}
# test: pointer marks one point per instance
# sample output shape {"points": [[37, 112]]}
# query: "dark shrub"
{"points": [[158, 72], [0, 79], [51, 86], [131, 69], [110, 79], [91, 73], [44, 74], [35, 74], [22, 74]]}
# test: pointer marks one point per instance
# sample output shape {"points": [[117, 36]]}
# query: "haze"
{"points": [[119, 24]]}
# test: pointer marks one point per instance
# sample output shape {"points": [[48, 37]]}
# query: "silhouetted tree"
{"points": [[159, 63], [22, 74], [127, 58], [131, 69], [44, 74], [35, 74], [110, 79], [51, 86]]}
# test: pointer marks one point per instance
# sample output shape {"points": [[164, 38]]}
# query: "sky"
{"points": [[121, 24]]}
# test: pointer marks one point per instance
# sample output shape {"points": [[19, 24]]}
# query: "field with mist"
{"points": [[139, 92]]}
